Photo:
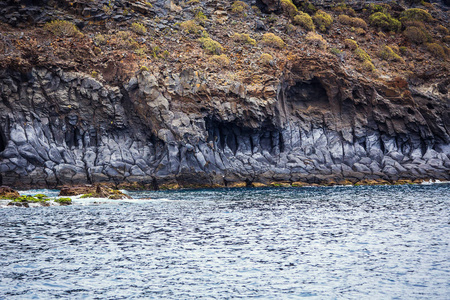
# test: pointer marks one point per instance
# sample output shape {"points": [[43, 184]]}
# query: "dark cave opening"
{"points": [[235, 137], [307, 93]]}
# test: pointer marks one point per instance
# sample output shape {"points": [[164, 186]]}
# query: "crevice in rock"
{"points": [[237, 137], [304, 94], [3, 140]]}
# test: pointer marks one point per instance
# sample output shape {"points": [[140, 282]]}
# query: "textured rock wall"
{"points": [[315, 124]]}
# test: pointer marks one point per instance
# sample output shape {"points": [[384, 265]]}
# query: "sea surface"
{"points": [[384, 242]]}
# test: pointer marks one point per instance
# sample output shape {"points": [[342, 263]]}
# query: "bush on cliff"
{"points": [[322, 20], [416, 35], [289, 8], [273, 40], [415, 14], [244, 38], [384, 22], [211, 46], [63, 28], [238, 7], [389, 55], [304, 20]]}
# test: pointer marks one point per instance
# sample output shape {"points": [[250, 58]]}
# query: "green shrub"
{"points": [[244, 38], [388, 54], [416, 35], [335, 51], [436, 49], [362, 55], [138, 28], [272, 40], [322, 20], [289, 7], [368, 66], [384, 22], [63, 28], [211, 46], [304, 20], [200, 17], [265, 59], [351, 44], [415, 14], [239, 7]]}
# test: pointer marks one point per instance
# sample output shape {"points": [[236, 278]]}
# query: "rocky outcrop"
{"points": [[93, 191], [316, 123]]}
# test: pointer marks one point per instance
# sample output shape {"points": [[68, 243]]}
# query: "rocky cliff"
{"points": [[309, 119]]}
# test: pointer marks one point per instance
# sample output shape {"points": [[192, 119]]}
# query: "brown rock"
{"points": [[8, 193]]}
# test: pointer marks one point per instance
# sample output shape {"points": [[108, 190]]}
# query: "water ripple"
{"points": [[319, 243]]}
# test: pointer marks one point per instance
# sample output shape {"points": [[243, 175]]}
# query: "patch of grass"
{"points": [[86, 196], [244, 38], [344, 19], [322, 20], [305, 21], [63, 29], [389, 55], [138, 28], [273, 40], [200, 17], [385, 22]]}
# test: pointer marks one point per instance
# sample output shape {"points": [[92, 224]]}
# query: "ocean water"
{"points": [[385, 242]]}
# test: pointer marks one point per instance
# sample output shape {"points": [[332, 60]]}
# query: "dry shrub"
{"points": [[416, 35], [191, 26], [63, 28], [304, 20], [344, 19], [220, 60], [265, 59], [358, 22], [360, 31], [350, 44], [272, 40], [436, 50], [138, 28], [244, 38], [316, 40], [443, 30]]}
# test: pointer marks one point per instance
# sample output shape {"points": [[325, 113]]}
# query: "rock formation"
{"points": [[315, 122]]}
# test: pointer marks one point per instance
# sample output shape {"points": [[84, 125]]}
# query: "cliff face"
{"points": [[313, 124], [313, 121]]}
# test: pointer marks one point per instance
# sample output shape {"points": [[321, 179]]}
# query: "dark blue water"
{"points": [[317, 243]]}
